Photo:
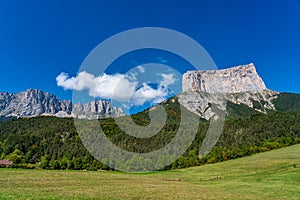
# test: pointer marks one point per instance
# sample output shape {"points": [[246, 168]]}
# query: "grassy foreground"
{"points": [[270, 175]]}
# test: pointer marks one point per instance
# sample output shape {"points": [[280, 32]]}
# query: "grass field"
{"points": [[270, 175]]}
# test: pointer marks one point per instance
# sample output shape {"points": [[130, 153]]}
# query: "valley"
{"points": [[270, 175]]}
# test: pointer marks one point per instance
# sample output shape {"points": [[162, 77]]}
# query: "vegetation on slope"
{"points": [[3, 118], [239, 110], [287, 102], [53, 143], [270, 175]]}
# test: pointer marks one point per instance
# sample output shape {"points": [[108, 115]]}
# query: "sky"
{"points": [[44, 42]]}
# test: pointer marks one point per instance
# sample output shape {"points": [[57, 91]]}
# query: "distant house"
{"points": [[6, 163]]}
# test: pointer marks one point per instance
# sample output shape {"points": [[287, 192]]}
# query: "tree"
{"points": [[45, 161], [15, 156], [77, 163], [54, 164], [64, 162]]}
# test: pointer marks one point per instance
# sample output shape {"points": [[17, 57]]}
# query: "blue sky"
{"points": [[41, 39]]}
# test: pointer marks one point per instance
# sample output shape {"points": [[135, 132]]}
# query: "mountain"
{"points": [[231, 90], [34, 102], [52, 142], [243, 78], [238, 91], [258, 120]]}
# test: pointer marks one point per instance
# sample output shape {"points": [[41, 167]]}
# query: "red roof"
{"points": [[5, 162]]}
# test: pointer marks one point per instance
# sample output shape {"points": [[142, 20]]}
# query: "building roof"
{"points": [[5, 162]]}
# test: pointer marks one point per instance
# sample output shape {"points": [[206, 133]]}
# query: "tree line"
{"points": [[53, 143]]}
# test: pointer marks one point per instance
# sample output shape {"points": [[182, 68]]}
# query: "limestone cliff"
{"points": [[243, 78], [34, 102], [239, 85]]}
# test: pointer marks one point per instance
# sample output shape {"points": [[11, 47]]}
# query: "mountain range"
{"points": [[258, 120], [237, 91], [33, 102]]}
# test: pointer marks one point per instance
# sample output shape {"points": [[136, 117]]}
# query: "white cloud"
{"points": [[141, 69], [147, 93], [168, 79], [119, 87], [84, 80]]}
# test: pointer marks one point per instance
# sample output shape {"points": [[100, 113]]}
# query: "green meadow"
{"points": [[270, 175]]}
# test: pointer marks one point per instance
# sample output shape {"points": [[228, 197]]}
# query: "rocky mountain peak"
{"points": [[240, 85], [33, 102], [242, 78]]}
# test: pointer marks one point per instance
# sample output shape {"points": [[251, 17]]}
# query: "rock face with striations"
{"points": [[33, 102], [96, 109], [239, 85], [238, 79]]}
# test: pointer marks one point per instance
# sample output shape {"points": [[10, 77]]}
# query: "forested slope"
{"points": [[53, 143]]}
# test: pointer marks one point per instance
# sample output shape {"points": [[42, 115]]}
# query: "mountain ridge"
{"points": [[241, 78], [34, 102], [240, 86]]}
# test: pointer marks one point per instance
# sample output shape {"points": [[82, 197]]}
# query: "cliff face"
{"points": [[243, 78], [96, 109], [201, 89], [33, 102], [239, 85]]}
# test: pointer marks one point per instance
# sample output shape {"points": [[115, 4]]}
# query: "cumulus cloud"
{"points": [[168, 79], [84, 80], [119, 87], [147, 93]]}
